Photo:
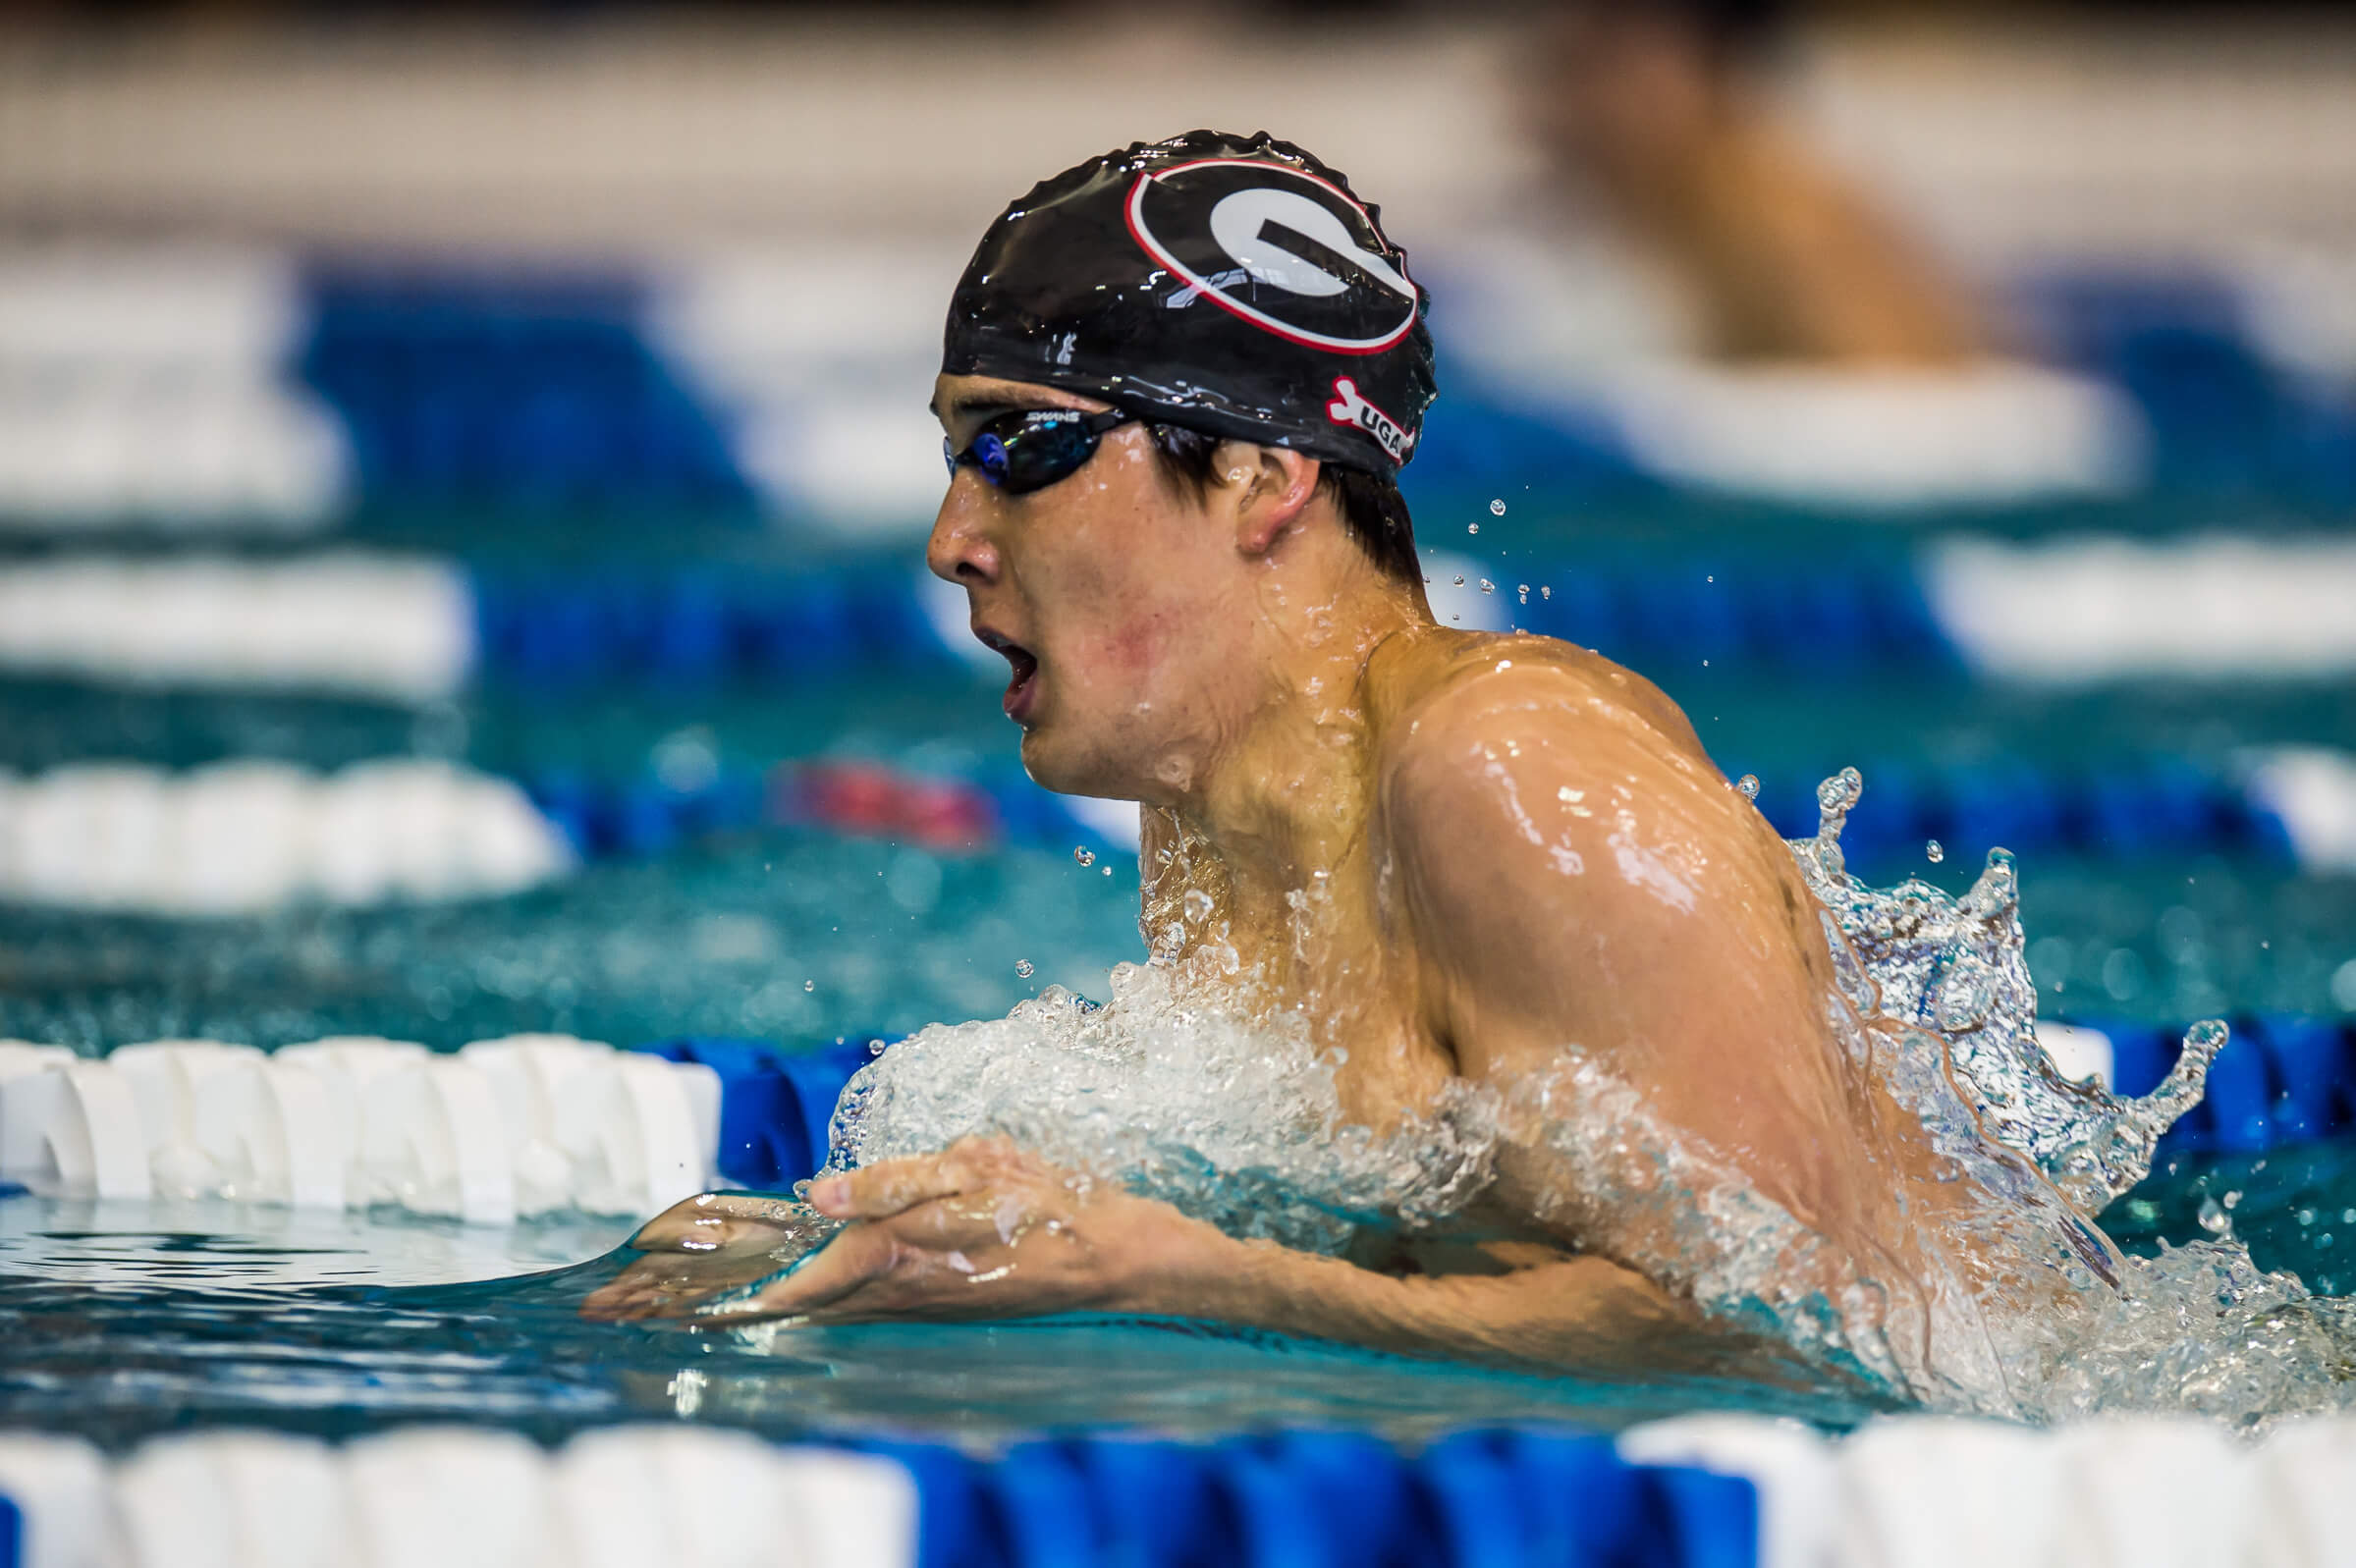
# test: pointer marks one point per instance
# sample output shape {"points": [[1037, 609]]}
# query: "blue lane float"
{"points": [[775, 1105], [2131, 808], [1311, 1498], [2282, 1080], [1288, 1499], [533, 394], [531, 389], [701, 624], [1701, 1492]]}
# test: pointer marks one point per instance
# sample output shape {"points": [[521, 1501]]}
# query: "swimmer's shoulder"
{"points": [[1434, 681]]}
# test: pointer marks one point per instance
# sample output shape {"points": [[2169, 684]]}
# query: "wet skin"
{"points": [[1460, 855]]}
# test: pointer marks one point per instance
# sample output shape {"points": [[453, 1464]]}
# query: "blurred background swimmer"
{"points": [[1666, 113]]}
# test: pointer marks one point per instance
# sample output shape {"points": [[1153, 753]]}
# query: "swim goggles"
{"points": [[1031, 448]]}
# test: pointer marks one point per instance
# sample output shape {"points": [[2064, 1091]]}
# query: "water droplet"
{"points": [[1472, 527], [1546, 593], [810, 985], [1934, 852], [1084, 855], [1107, 871], [1747, 786], [1487, 586], [1022, 967], [1521, 592], [1712, 577], [1460, 579], [2213, 1218], [1497, 508]]}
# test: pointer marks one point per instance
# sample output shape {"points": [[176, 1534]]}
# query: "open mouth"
{"points": [[1023, 672]]}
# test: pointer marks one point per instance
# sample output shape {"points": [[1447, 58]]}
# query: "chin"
{"points": [[1066, 770]]}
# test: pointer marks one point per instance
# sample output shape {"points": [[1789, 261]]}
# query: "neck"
{"points": [[1280, 806]]}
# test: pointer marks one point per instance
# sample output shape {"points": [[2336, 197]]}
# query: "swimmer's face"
{"points": [[1115, 596]]}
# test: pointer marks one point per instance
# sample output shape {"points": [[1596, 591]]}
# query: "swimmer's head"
{"points": [[1166, 373]]}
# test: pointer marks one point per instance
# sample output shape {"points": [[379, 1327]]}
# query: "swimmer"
{"points": [[1179, 385]]}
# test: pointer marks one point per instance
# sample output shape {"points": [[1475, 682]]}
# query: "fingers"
{"points": [[858, 1256], [661, 1281], [718, 1222], [925, 1261], [893, 1186]]}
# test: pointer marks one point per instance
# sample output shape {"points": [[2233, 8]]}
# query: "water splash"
{"points": [[2012, 1302], [1231, 1121], [1954, 967]]}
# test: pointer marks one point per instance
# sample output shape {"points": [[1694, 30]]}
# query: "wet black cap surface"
{"points": [[1229, 283]]}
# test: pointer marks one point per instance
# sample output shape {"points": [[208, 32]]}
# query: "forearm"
{"points": [[1567, 1315]]}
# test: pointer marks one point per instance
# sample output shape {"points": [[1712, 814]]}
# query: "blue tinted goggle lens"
{"points": [[1024, 451]]}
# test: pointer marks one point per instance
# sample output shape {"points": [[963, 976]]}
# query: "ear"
{"points": [[1269, 487]]}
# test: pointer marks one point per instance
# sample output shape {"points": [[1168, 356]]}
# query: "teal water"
{"points": [[118, 1322], [805, 936]]}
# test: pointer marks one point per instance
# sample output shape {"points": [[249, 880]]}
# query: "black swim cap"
{"points": [[1230, 284]]}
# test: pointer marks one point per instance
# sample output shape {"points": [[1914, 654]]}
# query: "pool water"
{"points": [[121, 1321], [118, 1321]]}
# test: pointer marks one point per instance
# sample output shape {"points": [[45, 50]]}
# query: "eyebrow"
{"points": [[969, 404], [973, 402]]}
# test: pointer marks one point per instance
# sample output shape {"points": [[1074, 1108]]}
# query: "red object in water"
{"points": [[865, 798]]}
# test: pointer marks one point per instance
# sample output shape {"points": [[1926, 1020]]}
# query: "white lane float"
{"points": [[528, 1073], [452, 1497], [2079, 611], [396, 628], [2303, 1495], [269, 1132], [633, 1495], [1934, 1492], [497, 1132], [233, 1500], [243, 837], [21, 1063], [2150, 1491], [640, 1135], [154, 384], [74, 1126], [432, 1142], [61, 1487], [856, 1510], [456, 1498], [164, 1076]]}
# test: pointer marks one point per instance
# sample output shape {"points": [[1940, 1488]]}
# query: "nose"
{"points": [[960, 550]]}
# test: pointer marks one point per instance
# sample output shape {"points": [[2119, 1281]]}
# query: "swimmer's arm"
{"points": [[986, 1230], [1567, 1314]]}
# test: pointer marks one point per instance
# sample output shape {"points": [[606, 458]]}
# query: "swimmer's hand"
{"points": [[984, 1229], [706, 1247]]}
